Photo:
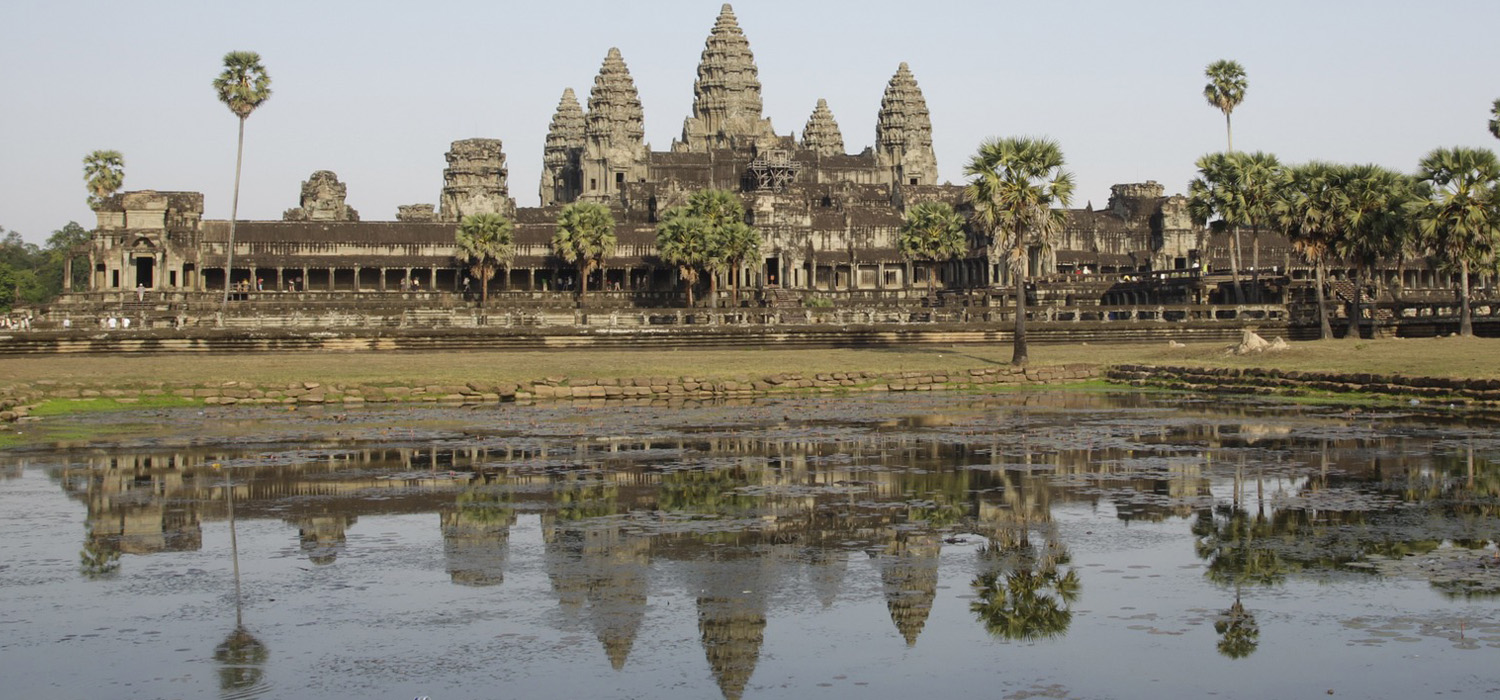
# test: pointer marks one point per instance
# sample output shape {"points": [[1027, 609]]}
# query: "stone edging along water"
{"points": [[17, 400], [1272, 381]]}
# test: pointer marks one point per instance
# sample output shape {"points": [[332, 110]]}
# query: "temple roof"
{"points": [[565, 132], [615, 114], [726, 95], [904, 121], [822, 133]]}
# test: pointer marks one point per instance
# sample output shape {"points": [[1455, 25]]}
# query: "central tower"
{"points": [[726, 95]]}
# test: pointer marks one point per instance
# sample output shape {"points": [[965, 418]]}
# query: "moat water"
{"points": [[1051, 544]]}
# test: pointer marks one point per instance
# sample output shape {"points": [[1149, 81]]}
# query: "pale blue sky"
{"points": [[377, 90]]}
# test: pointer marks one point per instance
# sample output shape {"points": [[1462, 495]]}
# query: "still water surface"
{"points": [[1065, 545]]}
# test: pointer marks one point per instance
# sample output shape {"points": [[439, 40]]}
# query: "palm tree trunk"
{"points": [[1234, 264], [1325, 331], [583, 282], [1229, 132], [735, 280], [484, 286], [234, 213], [932, 284], [713, 289], [1465, 320], [689, 281], [1018, 353], [1255, 264]]}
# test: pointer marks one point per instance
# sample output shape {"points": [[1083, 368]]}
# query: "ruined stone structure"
{"points": [[829, 220], [322, 200], [475, 181]]}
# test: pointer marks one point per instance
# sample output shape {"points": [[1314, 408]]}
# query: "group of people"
{"points": [[16, 323]]}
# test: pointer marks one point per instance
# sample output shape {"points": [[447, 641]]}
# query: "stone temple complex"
{"points": [[829, 219]]}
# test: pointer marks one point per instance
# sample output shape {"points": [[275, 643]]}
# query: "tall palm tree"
{"points": [[485, 242], [1376, 225], [1495, 119], [585, 237], [1219, 191], [103, 174], [724, 216], [1225, 90], [1261, 176], [738, 242], [1018, 188], [1308, 210], [935, 233], [682, 240], [1458, 213], [243, 86]]}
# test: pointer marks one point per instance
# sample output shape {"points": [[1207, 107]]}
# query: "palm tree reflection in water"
{"points": [[241, 656], [1023, 596]]}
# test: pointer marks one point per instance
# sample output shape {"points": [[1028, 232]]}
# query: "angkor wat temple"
{"points": [[829, 219]]}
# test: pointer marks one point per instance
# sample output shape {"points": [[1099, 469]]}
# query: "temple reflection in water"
{"points": [[745, 511]]}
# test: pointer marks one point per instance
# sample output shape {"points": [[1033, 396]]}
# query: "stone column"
{"points": [[332, 273], [383, 272], [68, 273], [356, 278]]}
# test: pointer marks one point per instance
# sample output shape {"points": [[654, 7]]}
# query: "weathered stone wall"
{"points": [[17, 399], [1270, 381]]}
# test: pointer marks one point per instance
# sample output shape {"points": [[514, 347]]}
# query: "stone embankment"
{"points": [[16, 400], [1271, 381]]}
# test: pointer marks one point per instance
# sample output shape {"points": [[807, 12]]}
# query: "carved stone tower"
{"points": [[903, 134], [322, 200], [475, 181], [561, 176], [822, 133], [726, 96], [614, 150]]}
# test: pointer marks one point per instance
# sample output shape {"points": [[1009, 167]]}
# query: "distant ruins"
{"points": [[829, 219]]}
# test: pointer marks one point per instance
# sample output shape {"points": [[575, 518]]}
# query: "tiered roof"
{"points": [[822, 133]]}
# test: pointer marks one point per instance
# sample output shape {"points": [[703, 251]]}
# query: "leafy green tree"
{"points": [[935, 233], [1458, 213], [1017, 189], [1261, 177], [1309, 211], [738, 242], [708, 236], [64, 243], [682, 240], [485, 242], [103, 174], [585, 237], [1376, 227], [242, 86], [1225, 91], [1218, 192]]}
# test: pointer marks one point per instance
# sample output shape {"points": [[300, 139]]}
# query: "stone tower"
{"points": [[726, 96], [903, 133], [561, 177], [475, 181], [614, 132], [322, 200], [822, 133]]}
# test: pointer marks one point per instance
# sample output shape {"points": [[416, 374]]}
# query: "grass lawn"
{"points": [[1474, 358]]}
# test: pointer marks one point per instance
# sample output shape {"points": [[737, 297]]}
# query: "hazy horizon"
{"points": [[377, 91]]}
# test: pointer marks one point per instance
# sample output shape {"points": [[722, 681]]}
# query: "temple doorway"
{"points": [[145, 269], [773, 272]]}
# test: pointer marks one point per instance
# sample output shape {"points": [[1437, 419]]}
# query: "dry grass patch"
{"points": [[1452, 357]]}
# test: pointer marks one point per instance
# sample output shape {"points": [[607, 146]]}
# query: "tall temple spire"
{"points": [[822, 133], [560, 173], [614, 132], [903, 133], [726, 95]]}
